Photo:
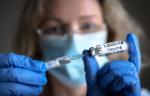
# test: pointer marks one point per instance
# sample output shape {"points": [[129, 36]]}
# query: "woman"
{"points": [[52, 28]]}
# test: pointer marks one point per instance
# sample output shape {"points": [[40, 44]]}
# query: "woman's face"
{"points": [[71, 16]]}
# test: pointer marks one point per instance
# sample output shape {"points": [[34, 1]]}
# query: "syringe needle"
{"points": [[75, 57]]}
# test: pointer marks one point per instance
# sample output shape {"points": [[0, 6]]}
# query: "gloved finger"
{"points": [[91, 67], [134, 51], [22, 76], [116, 82], [109, 78], [14, 60], [126, 81], [129, 85], [131, 81], [115, 70], [112, 66], [134, 90], [16, 89]]}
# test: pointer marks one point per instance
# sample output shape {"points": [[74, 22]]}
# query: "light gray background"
{"points": [[10, 11]]}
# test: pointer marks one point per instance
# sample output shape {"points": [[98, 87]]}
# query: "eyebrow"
{"points": [[87, 17], [53, 18], [80, 18]]}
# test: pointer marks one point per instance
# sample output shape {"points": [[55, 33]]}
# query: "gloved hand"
{"points": [[117, 78], [21, 76]]}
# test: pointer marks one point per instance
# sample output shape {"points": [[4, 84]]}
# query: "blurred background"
{"points": [[10, 12]]}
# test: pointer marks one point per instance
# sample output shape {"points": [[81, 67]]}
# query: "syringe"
{"points": [[100, 50], [60, 61]]}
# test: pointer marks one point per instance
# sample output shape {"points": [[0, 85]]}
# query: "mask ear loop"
{"points": [[105, 27], [38, 31]]}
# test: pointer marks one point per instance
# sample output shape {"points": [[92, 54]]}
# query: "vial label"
{"points": [[111, 48]]}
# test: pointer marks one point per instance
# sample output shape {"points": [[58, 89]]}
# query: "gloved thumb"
{"points": [[134, 51], [91, 68]]}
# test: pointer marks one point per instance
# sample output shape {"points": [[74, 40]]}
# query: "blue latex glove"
{"points": [[21, 76], [117, 78]]}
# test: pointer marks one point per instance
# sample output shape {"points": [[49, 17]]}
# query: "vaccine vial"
{"points": [[109, 48]]}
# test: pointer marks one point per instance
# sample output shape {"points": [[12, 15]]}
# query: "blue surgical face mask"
{"points": [[55, 46]]}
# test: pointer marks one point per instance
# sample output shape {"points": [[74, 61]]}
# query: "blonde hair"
{"points": [[117, 19]]}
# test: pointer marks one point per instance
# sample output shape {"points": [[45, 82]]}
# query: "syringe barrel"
{"points": [[109, 48], [52, 64], [57, 62]]}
